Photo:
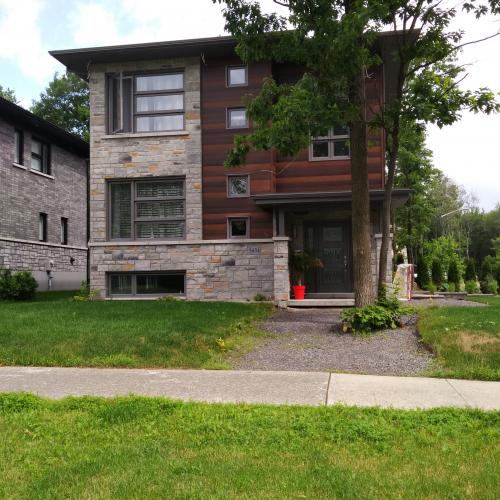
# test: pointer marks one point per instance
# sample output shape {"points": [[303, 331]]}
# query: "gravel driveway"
{"points": [[309, 340]]}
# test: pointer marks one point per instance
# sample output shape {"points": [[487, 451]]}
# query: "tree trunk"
{"points": [[361, 237], [387, 209]]}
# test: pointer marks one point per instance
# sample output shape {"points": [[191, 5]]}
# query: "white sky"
{"points": [[468, 152]]}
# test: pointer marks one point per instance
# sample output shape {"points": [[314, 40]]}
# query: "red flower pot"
{"points": [[299, 291]]}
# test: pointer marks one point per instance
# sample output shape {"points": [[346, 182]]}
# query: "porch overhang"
{"points": [[272, 200]]}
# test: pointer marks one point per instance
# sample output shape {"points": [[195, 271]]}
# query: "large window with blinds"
{"points": [[147, 209]]}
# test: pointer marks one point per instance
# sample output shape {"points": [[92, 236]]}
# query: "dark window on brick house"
{"points": [[19, 147], [40, 156], [64, 231], [147, 209], [42, 226]]}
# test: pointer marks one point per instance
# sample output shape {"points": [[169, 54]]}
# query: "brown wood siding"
{"points": [[292, 175]]}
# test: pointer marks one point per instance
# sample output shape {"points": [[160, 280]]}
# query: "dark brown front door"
{"points": [[331, 243]]}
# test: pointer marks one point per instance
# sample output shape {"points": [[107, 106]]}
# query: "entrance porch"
{"points": [[320, 224]]}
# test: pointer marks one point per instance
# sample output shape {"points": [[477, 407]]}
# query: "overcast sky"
{"points": [[469, 151]]}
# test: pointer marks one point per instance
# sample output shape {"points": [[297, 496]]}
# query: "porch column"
{"points": [[281, 273]]}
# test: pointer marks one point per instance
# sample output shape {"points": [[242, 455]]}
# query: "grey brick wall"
{"points": [[24, 194]]}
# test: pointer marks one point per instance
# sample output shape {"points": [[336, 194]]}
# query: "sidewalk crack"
{"points": [[459, 394], [328, 388]]}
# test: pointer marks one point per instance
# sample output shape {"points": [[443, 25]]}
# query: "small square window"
{"points": [[19, 147], [237, 118], [237, 76], [238, 186], [238, 228]]}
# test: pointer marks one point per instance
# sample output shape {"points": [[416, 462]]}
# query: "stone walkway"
{"points": [[302, 388]]}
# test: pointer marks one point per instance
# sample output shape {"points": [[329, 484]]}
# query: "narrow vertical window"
{"points": [[42, 227], [64, 231], [40, 156], [19, 147]]}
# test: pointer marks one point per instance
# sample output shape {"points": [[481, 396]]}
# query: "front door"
{"points": [[331, 243]]}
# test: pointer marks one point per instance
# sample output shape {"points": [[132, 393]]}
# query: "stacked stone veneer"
{"points": [[219, 269]]}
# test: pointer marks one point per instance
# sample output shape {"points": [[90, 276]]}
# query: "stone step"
{"points": [[321, 303]]}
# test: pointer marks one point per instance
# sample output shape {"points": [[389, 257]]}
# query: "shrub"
{"points": [[471, 286], [470, 270], [452, 287], [17, 286], [437, 272], [423, 274], [85, 293], [454, 275], [259, 297], [432, 288], [385, 313], [487, 267], [489, 285]]}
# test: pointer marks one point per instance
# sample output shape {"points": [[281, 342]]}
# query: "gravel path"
{"points": [[309, 340], [446, 302]]}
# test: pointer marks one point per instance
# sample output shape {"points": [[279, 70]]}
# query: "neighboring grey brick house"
{"points": [[165, 217], [43, 199]]}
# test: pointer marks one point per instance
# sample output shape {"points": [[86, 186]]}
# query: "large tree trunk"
{"points": [[361, 237]]}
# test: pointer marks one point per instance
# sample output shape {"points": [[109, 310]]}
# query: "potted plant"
{"points": [[301, 262]]}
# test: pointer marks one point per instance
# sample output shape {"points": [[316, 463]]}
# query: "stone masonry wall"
{"points": [[145, 155], [222, 270]]}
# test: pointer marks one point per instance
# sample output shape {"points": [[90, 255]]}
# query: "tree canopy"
{"points": [[8, 94], [65, 102]]}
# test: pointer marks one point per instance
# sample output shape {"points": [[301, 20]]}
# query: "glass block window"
{"points": [[147, 209], [238, 186], [333, 146]]}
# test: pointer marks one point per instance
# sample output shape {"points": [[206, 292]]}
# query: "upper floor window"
{"points": [[147, 209], [238, 227], [18, 147], [40, 156], [146, 102], [238, 186], [237, 118], [237, 76], [333, 146]]}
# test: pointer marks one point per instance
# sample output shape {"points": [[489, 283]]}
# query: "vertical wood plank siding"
{"points": [[297, 175]]}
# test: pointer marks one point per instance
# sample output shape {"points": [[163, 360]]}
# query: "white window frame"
{"points": [[331, 138]]}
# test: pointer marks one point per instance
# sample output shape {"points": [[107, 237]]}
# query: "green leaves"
{"points": [[8, 94], [65, 102]]}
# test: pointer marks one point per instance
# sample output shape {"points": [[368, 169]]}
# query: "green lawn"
{"points": [[54, 330], [153, 448], [466, 340]]}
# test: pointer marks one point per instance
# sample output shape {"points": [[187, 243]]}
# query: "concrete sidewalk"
{"points": [[304, 388]]}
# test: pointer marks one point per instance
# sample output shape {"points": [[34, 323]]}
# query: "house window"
{"points": [[238, 227], [64, 231], [237, 118], [18, 147], [40, 156], [146, 102], [42, 226], [149, 209], [237, 76], [333, 146], [144, 284], [238, 186]]}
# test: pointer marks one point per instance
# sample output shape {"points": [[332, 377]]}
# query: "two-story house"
{"points": [[43, 199], [167, 217]]}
